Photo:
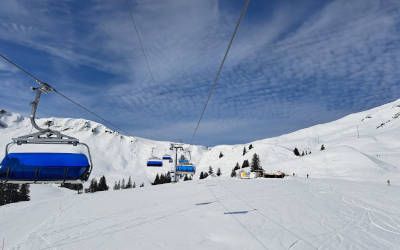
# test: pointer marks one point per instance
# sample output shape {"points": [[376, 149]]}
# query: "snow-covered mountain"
{"points": [[360, 146], [329, 212]]}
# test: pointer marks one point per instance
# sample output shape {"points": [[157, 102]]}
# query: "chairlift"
{"points": [[167, 158], [185, 166], [186, 169], [45, 167], [154, 161]]}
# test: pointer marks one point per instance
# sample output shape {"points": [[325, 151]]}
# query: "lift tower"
{"points": [[176, 147]]}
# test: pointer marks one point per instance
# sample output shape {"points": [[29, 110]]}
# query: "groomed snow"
{"points": [[220, 213]]}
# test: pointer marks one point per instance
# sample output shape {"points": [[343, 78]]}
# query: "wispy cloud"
{"points": [[290, 59]]}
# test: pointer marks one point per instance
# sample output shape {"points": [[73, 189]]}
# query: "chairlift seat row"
{"points": [[154, 163], [167, 157], [44, 167], [186, 168]]}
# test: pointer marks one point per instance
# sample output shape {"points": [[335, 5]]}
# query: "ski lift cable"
{"points": [[40, 82], [217, 76], [135, 26]]}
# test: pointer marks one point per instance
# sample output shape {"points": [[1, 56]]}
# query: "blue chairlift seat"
{"points": [[154, 163], [186, 168], [183, 161], [44, 167], [167, 157]]}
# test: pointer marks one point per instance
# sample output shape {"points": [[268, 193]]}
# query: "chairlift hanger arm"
{"points": [[43, 88]]}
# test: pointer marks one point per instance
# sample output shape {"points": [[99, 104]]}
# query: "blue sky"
{"points": [[294, 63]]}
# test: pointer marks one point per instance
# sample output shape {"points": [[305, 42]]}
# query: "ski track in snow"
{"points": [[293, 213]]}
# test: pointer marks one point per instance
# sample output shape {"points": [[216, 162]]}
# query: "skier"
{"points": [[388, 182], [307, 176]]}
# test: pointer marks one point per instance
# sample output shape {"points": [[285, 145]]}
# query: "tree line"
{"points": [[10, 193]]}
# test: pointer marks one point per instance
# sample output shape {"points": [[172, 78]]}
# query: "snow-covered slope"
{"points": [[293, 213], [362, 146], [328, 212]]}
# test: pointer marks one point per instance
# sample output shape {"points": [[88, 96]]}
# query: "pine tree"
{"points": [[245, 164], [322, 147], [237, 166], [115, 186], [134, 185], [24, 193], [244, 151], [123, 183], [142, 185], [221, 155], [251, 147], [163, 180], [296, 152], [129, 184], [156, 180], [93, 187], [186, 178], [205, 175], [255, 163], [119, 185], [103, 184], [233, 173], [219, 172], [210, 170], [201, 176], [168, 177], [302, 154]]}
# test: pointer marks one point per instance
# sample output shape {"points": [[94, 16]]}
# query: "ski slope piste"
{"points": [[344, 204]]}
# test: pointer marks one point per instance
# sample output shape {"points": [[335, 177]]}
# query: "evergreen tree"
{"points": [[156, 180], [237, 167], [233, 173], [142, 185], [168, 177], [221, 155], [93, 187], [296, 152], [186, 178], [129, 184], [251, 146], [201, 176], [210, 170], [205, 175], [218, 172], [24, 193], [255, 163], [102, 184], [322, 147], [115, 186], [123, 183], [119, 185], [244, 151], [134, 185], [302, 154], [245, 164]]}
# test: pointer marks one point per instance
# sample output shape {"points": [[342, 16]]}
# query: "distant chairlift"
{"points": [[154, 161], [185, 167], [167, 158], [45, 167]]}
